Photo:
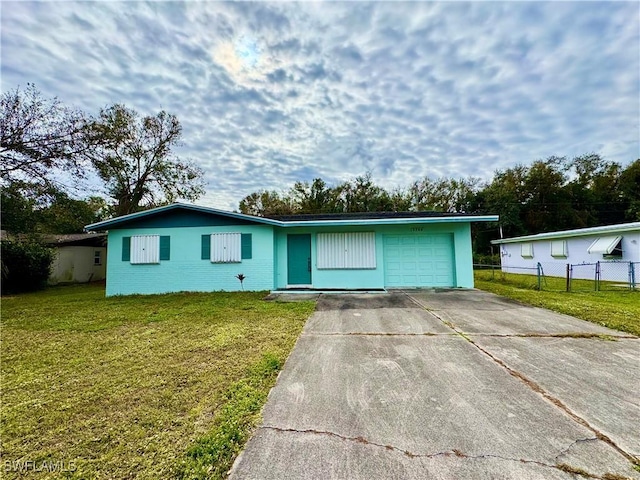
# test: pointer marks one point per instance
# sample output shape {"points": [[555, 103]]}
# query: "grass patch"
{"points": [[619, 310], [213, 454], [128, 387]]}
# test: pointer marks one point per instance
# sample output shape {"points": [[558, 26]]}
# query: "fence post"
{"points": [[568, 277], [632, 276], [539, 267], [597, 279]]}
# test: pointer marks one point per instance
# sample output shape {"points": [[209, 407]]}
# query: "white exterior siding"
{"points": [[76, 264], [576, 251]]}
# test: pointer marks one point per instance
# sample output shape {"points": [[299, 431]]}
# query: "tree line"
{"points": [[557, 193]]}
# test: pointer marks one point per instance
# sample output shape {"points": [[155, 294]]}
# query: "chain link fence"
{"points": [[558, 277]]}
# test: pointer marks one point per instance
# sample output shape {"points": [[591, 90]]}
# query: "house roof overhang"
{"points": [[301, 220], [580, 232]]}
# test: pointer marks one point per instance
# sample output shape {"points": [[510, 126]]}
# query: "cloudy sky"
{"points": [[272, 93]]}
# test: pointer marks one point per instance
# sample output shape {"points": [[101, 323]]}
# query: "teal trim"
{"points": [[126, 249], [165, 247], [391, 221], [245, 242], [299, 259], [134, 220], [205, 248]]}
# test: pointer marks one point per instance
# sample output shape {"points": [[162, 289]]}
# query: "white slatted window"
{"points": [[145, 249], [351, 250], [559, 248], [526, 250], [330, 250], [226, 247]]}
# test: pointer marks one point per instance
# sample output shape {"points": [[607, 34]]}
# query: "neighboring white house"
{"points": [[614, 246], [80, 258]]}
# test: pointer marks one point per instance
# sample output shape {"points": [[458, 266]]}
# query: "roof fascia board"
{"points": [[389, 221], [581, 232], [133, 216], [301, 223]]}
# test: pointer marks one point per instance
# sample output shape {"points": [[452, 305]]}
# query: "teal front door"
{"points": [[299, 259]]}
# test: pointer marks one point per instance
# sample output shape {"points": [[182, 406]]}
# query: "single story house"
{"points": [[79, 258], [182, 247], [617, 245]]}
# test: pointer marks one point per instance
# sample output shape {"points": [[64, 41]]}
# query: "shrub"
{"points": [[25, 266], [481, 259]]}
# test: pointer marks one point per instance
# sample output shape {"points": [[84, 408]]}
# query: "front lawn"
{"points": [[137, 387], [619, 310]]}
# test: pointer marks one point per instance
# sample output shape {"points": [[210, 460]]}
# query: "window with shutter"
{"points": [[348, 250], [226, 247], [145, 249]]}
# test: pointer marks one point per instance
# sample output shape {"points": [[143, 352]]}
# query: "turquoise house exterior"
{"points": [[181, 247]]}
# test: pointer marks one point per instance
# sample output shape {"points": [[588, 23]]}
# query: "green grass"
{"points": [[617, 309], [158, 386]]}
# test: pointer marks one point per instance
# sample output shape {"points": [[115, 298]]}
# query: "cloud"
{"points": [[272, 93]]}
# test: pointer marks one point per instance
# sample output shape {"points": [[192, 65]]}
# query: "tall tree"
{"points": [[38, 138], [68, 215], [505, 195], [133, 156], [362, 195], [548, 206], [595, 190], [630, 190], [25, 210], [266, 203], [454, 195], [18, 209], [316, 197]]}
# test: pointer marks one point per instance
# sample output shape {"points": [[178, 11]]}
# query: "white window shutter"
{"points": [[145, 249], [330, 250], [226, 247], [349, 250], [360, 250], [559, 248]]}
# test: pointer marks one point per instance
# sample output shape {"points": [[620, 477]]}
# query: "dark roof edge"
{"points": [[304, 219]]}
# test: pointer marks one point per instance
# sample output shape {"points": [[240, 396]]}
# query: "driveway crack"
{"points": [[531, 384], [449, 453], [580, 440]]}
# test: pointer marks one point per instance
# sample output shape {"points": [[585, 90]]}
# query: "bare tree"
{"points": [[38, 137]]}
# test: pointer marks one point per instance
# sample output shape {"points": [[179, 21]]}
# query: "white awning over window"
{"points": [[605, 245]]}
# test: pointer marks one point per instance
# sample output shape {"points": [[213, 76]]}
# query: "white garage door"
{"points": [[419, 260]]}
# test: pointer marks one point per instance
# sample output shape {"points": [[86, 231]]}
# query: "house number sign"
{"points": [[417, 229]]}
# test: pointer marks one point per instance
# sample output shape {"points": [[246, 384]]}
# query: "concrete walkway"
{"points": [[449, 384]]}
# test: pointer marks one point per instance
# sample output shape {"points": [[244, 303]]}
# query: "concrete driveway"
{"points": [[449, 385]]}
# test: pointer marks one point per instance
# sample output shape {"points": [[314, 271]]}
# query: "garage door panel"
{"points": [[419, 260]]}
